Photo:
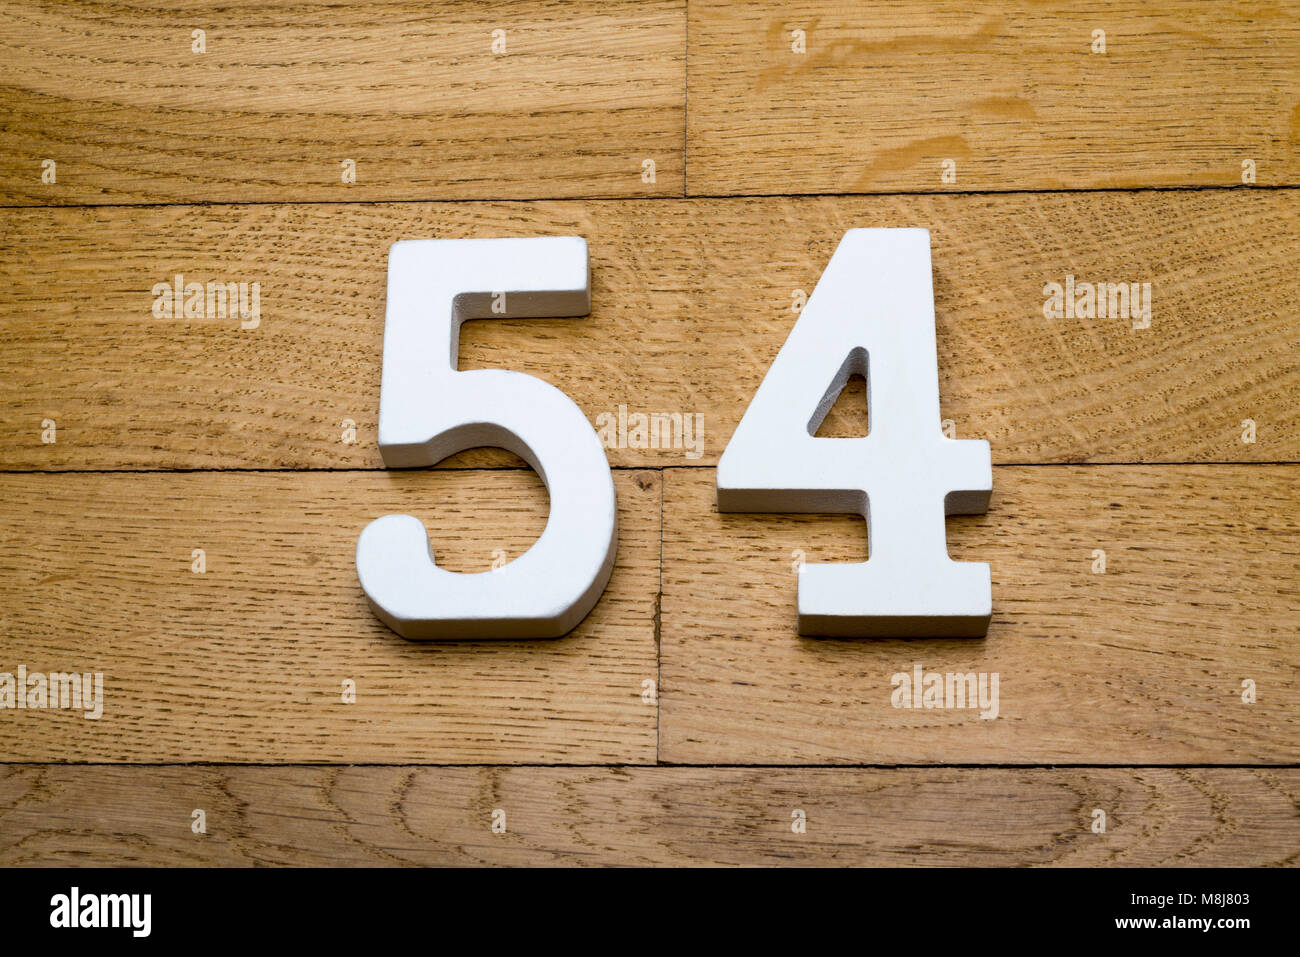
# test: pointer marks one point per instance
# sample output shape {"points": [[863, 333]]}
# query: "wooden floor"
{"points": [[1144, 532]]}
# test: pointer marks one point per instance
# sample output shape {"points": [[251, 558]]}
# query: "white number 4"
{"points": [[872, 313]]}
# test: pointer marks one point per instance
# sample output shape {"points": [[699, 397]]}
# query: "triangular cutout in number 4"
{"points": [[855, 419], [875, 298]]}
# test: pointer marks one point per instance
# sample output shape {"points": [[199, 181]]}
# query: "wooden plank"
{"points": [[1142, 664], [246, 662], [1012, 93], [411, 92], [691, 301], [51, 815]]}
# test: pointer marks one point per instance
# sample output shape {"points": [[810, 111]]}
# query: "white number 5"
{"points": [[429, 410], [872, 313]]}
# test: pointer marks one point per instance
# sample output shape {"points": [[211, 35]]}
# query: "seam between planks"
{"points": [[657, 764], [597, 198], [615, 468]]}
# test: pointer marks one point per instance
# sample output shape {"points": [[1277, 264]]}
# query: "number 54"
{"points": [[872, 313]]}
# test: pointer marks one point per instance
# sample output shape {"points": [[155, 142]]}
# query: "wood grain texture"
{"points": [[1011, 92], [1141, 664], [692, 299], [285, 92], [637, 816], [223, 690], [246, 661]]}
